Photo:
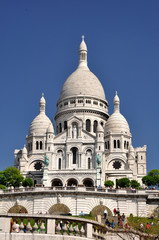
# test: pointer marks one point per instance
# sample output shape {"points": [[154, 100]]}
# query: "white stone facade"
{"points": [[83, 131]]}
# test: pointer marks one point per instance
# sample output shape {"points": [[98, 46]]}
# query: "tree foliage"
{"points": [[11, 176], [27, 182], [123, 182], [2, 186], [134, 184], [153, 173], [109, 183], [148, 180], [152, 178]]}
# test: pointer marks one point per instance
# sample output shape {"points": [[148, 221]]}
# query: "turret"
{"points": [[83, 54], [42, 104]]}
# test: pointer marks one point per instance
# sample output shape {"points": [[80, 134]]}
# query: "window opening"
{"points": [[88, 125]]}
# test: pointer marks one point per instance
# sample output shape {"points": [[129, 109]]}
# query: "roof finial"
{"points": [[42, 104], [116, 103], [83, 53]]}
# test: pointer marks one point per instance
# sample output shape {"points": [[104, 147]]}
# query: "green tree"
{"points": [[123, 182], [3, 179], [13, 176], [134, 184], [109, 183], [149, 180], [156, 177], [153, 173], [27, 182]]}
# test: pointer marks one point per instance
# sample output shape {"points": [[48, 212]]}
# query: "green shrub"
{"points": [[123, 182], [109, 183], [2, 186]]}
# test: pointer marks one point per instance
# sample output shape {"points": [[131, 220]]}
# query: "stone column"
{"points": [[69, 132], [122, 143]]}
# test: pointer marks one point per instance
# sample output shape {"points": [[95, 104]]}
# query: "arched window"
{"points": [[105, 145], [95, 126], [59, 167], [124, 144], [37, 145], [88, 125], [114, 143], [65, 125], [41, 145], [118, 143], [74, 155], [127, 145], [60, 128], [108, 145], [89, 163], [101, 124]]}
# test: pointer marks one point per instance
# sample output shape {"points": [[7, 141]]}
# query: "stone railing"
{"points": [[54, 225], [78, 189], [24, 227]]}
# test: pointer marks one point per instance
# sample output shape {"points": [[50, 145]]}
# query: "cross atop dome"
{"points": [[82, 37]]}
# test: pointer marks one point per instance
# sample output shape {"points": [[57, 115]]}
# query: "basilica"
{"points": [[89, 146]]}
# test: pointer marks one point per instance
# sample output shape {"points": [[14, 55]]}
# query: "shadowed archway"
{"points": [[59, 209], [72, 182], [56, 182], [87, 182]]}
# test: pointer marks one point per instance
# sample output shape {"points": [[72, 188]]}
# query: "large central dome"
{"points": [[82, 81]]}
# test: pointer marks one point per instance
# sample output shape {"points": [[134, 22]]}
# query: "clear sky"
{"points": [[39, 43]]}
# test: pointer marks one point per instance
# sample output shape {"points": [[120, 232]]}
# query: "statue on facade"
{"points": [[46, 161], [98, 159], [74, 131]]}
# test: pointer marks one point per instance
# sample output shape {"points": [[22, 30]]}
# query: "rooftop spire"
{"points": [[83, 54], [42, 104], [116, 103]]}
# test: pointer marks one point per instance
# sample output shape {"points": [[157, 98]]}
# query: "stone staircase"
{"points": [[101, 219]]}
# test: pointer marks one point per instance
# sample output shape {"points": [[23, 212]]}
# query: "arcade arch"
{"points": [[56, 182], [72, 182], [88, 182]]}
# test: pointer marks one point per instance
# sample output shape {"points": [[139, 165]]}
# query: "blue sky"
{"points": [[39, 43]]}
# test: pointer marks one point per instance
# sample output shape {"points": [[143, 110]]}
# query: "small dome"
{"points": [[100, 128], [117, 122], [40, 124], [50, 129]]}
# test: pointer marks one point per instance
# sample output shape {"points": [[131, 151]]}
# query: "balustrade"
{"points": [[59, 226]]}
